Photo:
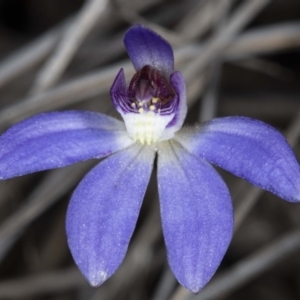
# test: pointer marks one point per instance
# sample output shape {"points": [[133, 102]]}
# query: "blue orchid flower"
{"points": [[196, 209]]}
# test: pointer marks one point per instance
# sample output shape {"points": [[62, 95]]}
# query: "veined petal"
{"points": [[56, 139], [196, 214], [118, 93], [177, 82], [250, 149], [145, 47], [103, 211]]}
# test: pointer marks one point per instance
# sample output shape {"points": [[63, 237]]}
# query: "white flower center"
{"points": [[147, 127]]}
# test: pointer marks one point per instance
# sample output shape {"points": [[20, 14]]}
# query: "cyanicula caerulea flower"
{"points": [[196, 209]]}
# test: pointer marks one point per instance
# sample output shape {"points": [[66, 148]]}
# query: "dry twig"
{"points": [[51, 189], [246, 12], [71, 40]]}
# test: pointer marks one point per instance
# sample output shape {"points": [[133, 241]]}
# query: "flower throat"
{"points": [[150, 90]]}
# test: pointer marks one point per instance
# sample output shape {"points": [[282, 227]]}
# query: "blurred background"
{"points": [[238, 58]]}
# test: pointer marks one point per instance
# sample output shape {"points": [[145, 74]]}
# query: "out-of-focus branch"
{"points": [[251, 267], [245, 13], [246, 270], [69, 93], [131, 16], [93, 84], [201, 18], [30, 55], [209, 103], [54, 186], [71, 40], [41, 284]]}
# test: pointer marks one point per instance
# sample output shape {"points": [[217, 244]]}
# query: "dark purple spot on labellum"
{"points": [[149, 89]]}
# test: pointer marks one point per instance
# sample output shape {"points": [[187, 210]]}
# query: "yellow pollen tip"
{"points": [[152, 107], [142, 140], [155, 100], [140, 104], [149, 140], [141, 110], [133, 104]]}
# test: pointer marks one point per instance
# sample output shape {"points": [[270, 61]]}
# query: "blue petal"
{"points": [[103, 212], [146, 47], [57, 139], [196, 213], [250, 149], [118, 93], [177, 82]]}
